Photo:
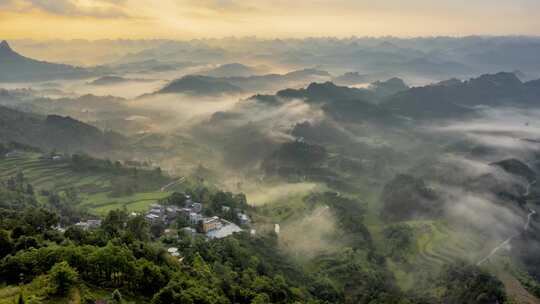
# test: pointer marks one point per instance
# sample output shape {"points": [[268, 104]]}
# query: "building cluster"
{"points": [[217, 228], [89, 224], [12, 153], [191, 212]]}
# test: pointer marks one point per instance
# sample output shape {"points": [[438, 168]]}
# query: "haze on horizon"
{"points": [[186, 19]]}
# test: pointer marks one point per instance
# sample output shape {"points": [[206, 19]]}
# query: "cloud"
{"points": [[71, 8], [480, 213], [311, 235], [509, 132], [269, 19]]}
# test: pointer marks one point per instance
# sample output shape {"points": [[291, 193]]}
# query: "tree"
{"points": [[5, 244], [114, 222], [177, 199], [40, 219], [117, 297], [20, 300], [76, 234], [261, 298], [468, 284], [26, 242], [29, 189], [138, 227], [157, 229], [62, 278]]}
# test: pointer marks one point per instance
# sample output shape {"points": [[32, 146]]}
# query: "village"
{"points": [[191, 215], [188, 218]]}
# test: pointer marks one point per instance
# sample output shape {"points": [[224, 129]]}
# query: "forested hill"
{"points": [[55, 132]]}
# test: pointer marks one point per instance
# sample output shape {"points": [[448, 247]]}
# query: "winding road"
{"points": [[167, 186], [508, 240]]}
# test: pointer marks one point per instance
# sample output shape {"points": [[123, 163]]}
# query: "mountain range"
{"points": [[17, 68], [448, 99], [209, 85]]}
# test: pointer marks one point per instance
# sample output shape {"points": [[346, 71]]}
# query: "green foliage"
{"points": [[138, 227], [20, 299], [295, 158], [350, 216], [399, 241], [6, 244], [406, 197], [116, 297], [468, 284], [114, 222], [62, 278], [356, 278], [125, 181]]}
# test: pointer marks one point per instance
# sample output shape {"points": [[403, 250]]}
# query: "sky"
{"points": [[188, 19]]}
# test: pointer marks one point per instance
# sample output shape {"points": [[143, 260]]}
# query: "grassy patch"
{"points": [[94, 187]]}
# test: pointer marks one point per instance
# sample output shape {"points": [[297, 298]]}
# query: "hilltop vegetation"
{"points": [[118, 260]]}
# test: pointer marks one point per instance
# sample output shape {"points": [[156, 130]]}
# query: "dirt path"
{"points": [[508, 240], [75, 297], [515, 290], [167, 186]]}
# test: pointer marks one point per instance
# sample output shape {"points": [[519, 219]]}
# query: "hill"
{"points": [[516, 167], [17, 68], [406, 197], [456, 98], [233, 70], [341, 103], [200, 85], [389, 87], [55, 132], [274, 82], [327, 92], [108, 80]]}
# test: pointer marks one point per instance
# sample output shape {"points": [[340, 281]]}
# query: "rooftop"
{"points": [[224, 231]]}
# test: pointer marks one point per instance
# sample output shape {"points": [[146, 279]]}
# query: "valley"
{"points": [[173, 175]]}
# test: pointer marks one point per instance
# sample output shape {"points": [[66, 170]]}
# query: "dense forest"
{"points": [[123, 261]]}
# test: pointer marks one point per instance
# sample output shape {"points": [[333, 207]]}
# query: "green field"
{"points": [[94, 187]]}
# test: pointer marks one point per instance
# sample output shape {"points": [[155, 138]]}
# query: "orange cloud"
{"points": [[183, 19]]}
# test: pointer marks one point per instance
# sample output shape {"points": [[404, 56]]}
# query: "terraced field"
{"points": [[437, 244], [94, 187]]}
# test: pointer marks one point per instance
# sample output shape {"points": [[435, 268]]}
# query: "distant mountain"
{"points": [[111, 80], [273, 82], [389, 87], [454, 98], [342, 103], [352, 78], [516, 167], [17, 68], [206, 85], [55, 132], [234, 70], [108, 80], [519, 54], [392, 99], [200, 85], [327, 92], [149, 66]]}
